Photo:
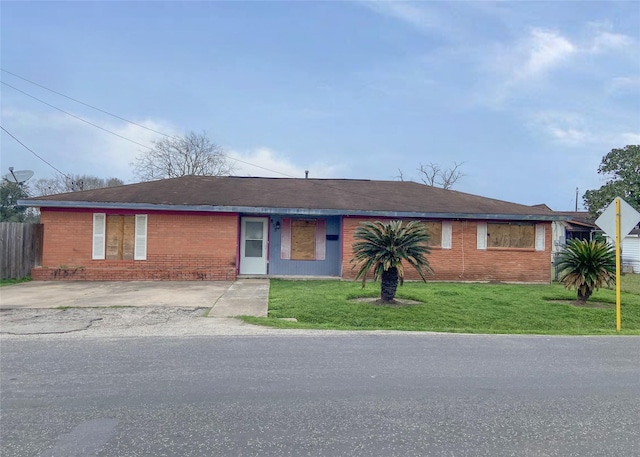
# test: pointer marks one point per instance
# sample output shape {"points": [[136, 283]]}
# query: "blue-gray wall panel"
{"points": [[328, 267]]}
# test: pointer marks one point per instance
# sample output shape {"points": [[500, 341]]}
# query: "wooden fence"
{"points": [[21, 246]]}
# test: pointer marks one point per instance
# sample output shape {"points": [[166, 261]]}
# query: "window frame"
{"points": [[99, 238], [538, 240], [287, 237]]}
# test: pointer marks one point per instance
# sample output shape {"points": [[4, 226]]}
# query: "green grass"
{"points": [[630, 283], [451, 307], [8, 282]]}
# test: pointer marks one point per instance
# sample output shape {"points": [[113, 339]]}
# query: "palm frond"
{"points": [[382, 246], [586, 266]]}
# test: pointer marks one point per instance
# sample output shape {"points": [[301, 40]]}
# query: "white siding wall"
{"points": [[630, 252], [557, 236]]}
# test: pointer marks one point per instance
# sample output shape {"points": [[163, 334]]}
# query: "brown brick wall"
{"points": [[204, 247], [179, 247], [464, 262]]}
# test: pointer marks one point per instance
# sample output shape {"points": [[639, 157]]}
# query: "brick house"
{"points": [[216, 228]]}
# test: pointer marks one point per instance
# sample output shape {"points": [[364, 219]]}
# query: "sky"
{"points": [[528, 96]]}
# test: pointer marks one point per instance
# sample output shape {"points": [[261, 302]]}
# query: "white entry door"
{"points": [[253, 247]]}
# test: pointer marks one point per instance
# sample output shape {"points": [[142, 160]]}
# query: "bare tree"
{"points": [[71, 183], [191, 154], [433, 175]]}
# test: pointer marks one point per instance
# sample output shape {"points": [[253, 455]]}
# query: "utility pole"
{"points": [[576, 199]]}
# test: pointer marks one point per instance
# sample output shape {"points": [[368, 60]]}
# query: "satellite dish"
{"points": [[18, 176]]}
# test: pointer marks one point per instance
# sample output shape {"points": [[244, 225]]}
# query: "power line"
{"points": [[115, 116], [166, 135], [87, 104], [76, 117], [128, 139], [32, 152]]}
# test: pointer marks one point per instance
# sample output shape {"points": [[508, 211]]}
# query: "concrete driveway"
{"points": [[49, 294], [226, 298], [132, 307]]}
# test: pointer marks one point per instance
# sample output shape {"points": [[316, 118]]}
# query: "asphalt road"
{"points": [[346, 395]]}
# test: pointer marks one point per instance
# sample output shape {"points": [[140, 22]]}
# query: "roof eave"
{"points": [[287, 211]]}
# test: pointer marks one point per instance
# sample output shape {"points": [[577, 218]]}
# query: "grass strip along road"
{"points": [[452, 307]]}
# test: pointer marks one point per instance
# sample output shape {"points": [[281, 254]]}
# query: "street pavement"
{"points": [[339, 394]]}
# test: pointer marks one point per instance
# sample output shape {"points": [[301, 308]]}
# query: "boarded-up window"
{"points": [[303, 239], [119, 237], [435, 233], [511, 235]]}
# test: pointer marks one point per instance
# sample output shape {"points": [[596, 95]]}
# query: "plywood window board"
{"points": [[120, 237], [303, 239], [511, 236]]}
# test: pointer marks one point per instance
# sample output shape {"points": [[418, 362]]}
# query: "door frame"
{"points": [[265, 243]]}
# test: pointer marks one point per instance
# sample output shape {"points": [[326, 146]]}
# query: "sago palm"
{"points": [[382, 247], [587, 266]]}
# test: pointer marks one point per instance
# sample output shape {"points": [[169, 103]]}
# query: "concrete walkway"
{"points": [[245, 297]]}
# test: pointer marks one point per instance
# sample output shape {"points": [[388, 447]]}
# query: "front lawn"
{"points": [[449, 307]]}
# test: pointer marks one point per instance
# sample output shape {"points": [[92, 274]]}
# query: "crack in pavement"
{"points": [[28, 327]]}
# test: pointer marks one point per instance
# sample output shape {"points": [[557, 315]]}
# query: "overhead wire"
{"points": [[34, 153], [125, 120], [76, 117], [321, 183], [87, 104]]}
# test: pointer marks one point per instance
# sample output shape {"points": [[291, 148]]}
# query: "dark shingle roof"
{"points": [[338, 196]]}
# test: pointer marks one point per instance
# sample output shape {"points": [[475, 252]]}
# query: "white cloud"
{"points": [[543, 51], [623, 84], [562, 127], [630, 138], [516, 67], [540, 52], [604, 39], [268, 163], [569, 136], [572, 130], [416, 14]]}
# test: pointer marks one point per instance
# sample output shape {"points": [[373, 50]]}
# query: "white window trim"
{"points": [[482, 236], [540, 237], [140, 239], [447, 234], [99, 236]]}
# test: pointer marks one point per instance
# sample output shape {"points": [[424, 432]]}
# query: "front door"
{"points": [[253, 246]]}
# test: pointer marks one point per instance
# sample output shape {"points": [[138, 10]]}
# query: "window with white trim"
{"points": [[512, 235], [119, 237]]}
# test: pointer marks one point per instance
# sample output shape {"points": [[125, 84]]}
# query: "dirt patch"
{"points": [[376, 301], [588, 304]]}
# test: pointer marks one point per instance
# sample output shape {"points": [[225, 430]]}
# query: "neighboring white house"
{"points": [[578, 225], [630, 253]]}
